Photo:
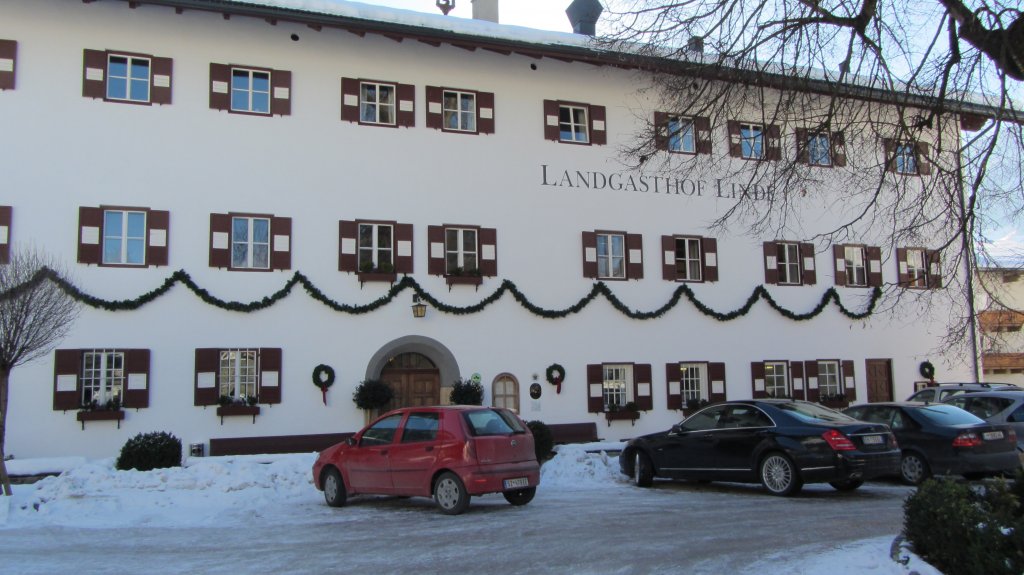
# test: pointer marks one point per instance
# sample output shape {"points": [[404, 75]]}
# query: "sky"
{"points": [[539, 14]]}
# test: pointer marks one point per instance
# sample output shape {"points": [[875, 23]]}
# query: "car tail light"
{"points": [[967, 439], [837, 441], [1012, 436]]}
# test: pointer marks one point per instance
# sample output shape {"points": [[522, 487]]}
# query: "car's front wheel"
{"points": [[643, 471], [846, 484], [450, 494], [520, 496], [913, 468], [334, 488], [779, 476]]}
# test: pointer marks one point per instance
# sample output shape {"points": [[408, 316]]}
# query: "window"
{"points": [[257, 242], [376, 247], [856, 272], [820, 148], [250, 90], [8, 58], [505, 392], [100, 378], [126, 78], [789, 263], [693, 382], [857, 265], [754, 141], [574, 123], [456, 110], [460, 247], [250, 243], [829, 383], [238, 371], [819, 151], [459, 111], [103, 377], [5, 234], [420, 427], [382, 432], [616, 391], [682, 136], [463, 254], [117, 236], [776, 379], [124, 237], [919, 268], [906, 161], [688, 259], [376, 103], [916, 272], [906, 157], [612, 255], [612, 385]]}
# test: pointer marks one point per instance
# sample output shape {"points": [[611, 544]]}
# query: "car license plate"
{"points": [[873, 440], [992, 435], [517, 483]]}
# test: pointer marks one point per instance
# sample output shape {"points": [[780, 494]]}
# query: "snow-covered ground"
{"points": [[228, 493]]}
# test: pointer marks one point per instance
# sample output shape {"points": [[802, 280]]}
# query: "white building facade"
{"points": [[360, 153]]}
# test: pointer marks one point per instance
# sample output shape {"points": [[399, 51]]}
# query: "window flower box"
{"points": [[377, 276], [232, 410], [472, 280], [101, 415], [622, 415]]}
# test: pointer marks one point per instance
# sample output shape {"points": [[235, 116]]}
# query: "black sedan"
{"points": [[942, 439], [780, 443]]}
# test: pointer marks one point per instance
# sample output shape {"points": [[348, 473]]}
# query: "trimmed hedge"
{"points": [[146, 451], [543, 440]]}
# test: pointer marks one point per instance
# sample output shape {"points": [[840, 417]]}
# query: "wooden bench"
{"points": [[275, 444], [573, 432]]}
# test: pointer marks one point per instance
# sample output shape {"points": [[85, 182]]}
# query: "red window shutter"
{"points": [[672, 375], [207, 382], [889, 149], [901, 267], [756, 374], [485, 112], [406, 114], [90, 230], [551, 129], [808, 265], [668, 261], [837, 143], [281, 92], [710, 263], [716, 378], [590, 251], [488, 238], [349, 100], [595, 388], [661, 135], [136, 365], [811, 371], [642, 386], [634, 256], [803, 155], [839, 264], [435, 116], [94, 74], [873, 254], [161, 80], [270, 375], [348, 246], [773, 146], [436, 253], [220, 87], [771, 263], [5, 234], [598, 126], [67, 382], [280, 243], [157, 237], [702, 129], [8, 51], [849, 381], [924, 166], [220, 241], [735, 149], [934, 263], [796, 371], [403, 248]]}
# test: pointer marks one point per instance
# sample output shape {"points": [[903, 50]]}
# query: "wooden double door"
{"points": [[412, 387]]}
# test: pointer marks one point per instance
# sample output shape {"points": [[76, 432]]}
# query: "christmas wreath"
{"points": [[927, 370], [555, 375], [323, 377]]}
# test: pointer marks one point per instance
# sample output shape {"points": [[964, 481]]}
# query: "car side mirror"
{"points": [[677, 429], [351, 440]]}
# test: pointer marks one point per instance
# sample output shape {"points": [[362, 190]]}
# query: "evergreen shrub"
{"points": [[146, 451]]}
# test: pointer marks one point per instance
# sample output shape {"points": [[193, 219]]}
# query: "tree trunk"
{"points": [[5, 378]]}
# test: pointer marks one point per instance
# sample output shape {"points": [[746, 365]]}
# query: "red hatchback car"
{"points": [[449, 453]]}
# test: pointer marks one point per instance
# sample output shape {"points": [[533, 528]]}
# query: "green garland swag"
{"points": [[323, 377], [555, 374], [407, 282]]}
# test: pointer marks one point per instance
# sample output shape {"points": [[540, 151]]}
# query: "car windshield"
{"points": [[492, 422], [812, 413], [947, 415]]}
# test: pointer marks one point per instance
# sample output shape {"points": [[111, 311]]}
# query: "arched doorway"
{"points": [[415, 379]]}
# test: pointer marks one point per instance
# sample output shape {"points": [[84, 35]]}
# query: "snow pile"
{"points": [[583, 466]]}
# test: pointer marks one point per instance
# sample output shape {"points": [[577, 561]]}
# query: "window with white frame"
{"points": [[376, 247], [828, 378], [128, 78], [458, 110], [688, 259], [681, 135], [789, 263], [250, 91], [505, 393], [572, 124], [617, 386], [856, 270], [917, 270], [102, 377], [693, 383], [905, 158], [124, 237], [376, 103], [752, 141], [460, 250], [250, 243], [239, 373], [776, 379], [611, 256], [819, 152]]}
